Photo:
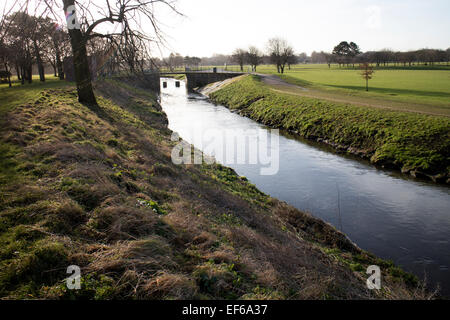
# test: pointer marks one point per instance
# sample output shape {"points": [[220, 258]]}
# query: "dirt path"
{"points": [[279, 85], [273, 80]]}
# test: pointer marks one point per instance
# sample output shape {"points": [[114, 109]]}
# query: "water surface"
{"points": [[395, 217]]}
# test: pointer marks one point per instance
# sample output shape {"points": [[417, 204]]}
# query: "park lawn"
{"points": [[411, 85]]}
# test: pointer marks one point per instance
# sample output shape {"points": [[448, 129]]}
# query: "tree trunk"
{"points": [[18, 72], [81, 64], [9, 76], [367, 84], [59, 64], [39, 63], [22, 71], [30, 73], [54, 69]]}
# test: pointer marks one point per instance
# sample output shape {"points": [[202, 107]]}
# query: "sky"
{"points": [[213, 26]]}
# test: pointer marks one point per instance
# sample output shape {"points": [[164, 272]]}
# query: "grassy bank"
{"points": [[413, 143], [99, 190], [424, 89]]}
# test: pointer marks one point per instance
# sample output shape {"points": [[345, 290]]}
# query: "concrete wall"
{"points": [[195, 80], [149, 81]]}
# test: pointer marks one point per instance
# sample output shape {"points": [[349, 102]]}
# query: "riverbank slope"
{"points": [[99, 190], [415, 144]]}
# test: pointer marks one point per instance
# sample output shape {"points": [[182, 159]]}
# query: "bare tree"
{"points": [[84, 17], [303, 57], [280, 52], [20, 40], [57, 48], [291, 59], [5, 57], [447, 57], [254, 57], [366, 73], [239, 56], [328, 58]]}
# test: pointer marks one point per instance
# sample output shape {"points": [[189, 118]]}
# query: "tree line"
{"points": [[278, 51], [46, 31], [27, 40], [345, 53], [281, 54]]}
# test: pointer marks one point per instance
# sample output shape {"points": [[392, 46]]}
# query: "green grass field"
{"points": [[408, 85], [417, 88], [11, 97]]}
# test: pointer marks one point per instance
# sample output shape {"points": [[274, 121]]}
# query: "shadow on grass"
{"points": [[294, 80]]}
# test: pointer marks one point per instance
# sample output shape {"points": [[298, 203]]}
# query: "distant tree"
{"points": [[302, 57], [178, 60], [192, 62], [386, 56], [448, 55], [291, 59], [171, 61], [254, 57], [321, 57], [5, 58], [354, 52], [366, 73], [30, 38], [410, 57], [341, 52], [280, 53], [60, 48], [354, 49], [216, 60], [316, 57], [346, 52], [20, 41], [239, 56], [328, 58], [86, 21]]}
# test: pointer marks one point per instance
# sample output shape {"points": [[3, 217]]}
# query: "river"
{"points": [[384, 212]]}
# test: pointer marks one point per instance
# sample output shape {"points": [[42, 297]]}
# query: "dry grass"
{"points": [[170, 286]]}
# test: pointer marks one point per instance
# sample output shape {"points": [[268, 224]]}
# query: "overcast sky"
{"points": [[213, 26]]}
